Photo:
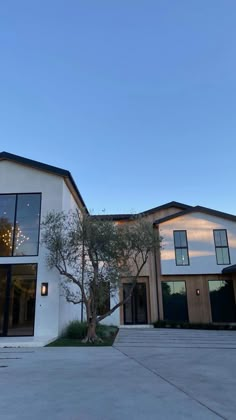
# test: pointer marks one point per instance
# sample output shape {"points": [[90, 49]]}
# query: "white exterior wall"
{"points": [[68, 311], [113, 319], [52, 311], [202, 257]]}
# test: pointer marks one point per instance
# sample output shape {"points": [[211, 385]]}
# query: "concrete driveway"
{"points": [[130, 381]]}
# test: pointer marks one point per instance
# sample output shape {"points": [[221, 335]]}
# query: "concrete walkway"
{"points": [[133, 382], [16, 342], [200, 364]]}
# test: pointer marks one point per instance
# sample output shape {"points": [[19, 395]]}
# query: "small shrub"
{"points": [[106, 331], [76, 330]]}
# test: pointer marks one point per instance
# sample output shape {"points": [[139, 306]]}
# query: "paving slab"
{"points": [[89, 384], [200, 363]]}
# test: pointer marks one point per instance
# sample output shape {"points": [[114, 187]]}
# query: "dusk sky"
{"points": [[136, 98]]}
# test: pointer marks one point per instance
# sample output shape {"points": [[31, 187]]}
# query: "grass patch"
{"points": [[76, 332]]}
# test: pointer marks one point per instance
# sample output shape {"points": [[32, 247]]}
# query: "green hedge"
{"points": [[194, 326]]}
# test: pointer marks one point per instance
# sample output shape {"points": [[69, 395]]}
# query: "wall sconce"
{"points": [[44, 289], [198, 292]]}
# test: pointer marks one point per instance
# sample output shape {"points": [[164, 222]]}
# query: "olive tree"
{"points": [[93, 254]]}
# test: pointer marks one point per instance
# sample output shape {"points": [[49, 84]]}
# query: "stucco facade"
{"points": [[52, 312]]}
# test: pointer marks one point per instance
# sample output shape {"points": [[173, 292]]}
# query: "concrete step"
{"points": [[172, 338]]}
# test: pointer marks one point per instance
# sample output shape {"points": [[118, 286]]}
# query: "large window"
{"points": [[181, 247], [222, 299], [19, 224], [174, 300], [103, 293], [221, 246]]}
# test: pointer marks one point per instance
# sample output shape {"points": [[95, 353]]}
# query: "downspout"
{"points": [[156, 274]]}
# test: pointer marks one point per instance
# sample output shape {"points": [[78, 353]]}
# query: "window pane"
{"points": [[103, 294], [183, 239], [174, 301], [177, 239], [181, 256], [222, 255], [178, 254], [22, 300], [3, 287], [180, 239], [219, 256], [7, 215], [27, 224], [223, 238], [217, 237], [184, 257], [220, 238], [225, 253], [128, 307], [222, 301], [141, 303]]}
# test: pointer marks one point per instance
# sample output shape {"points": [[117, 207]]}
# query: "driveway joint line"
{"points": [[171, 383]]}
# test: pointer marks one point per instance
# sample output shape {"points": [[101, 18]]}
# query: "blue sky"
{"points": [[137, 98]]}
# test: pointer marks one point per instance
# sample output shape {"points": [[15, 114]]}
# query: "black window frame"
{"points": [[15, 215], [9, 268], [224, 246], [181, 247], [184, 308]]}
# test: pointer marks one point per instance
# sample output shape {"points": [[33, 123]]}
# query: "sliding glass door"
{"points": [[3, 290], [17, 299]]}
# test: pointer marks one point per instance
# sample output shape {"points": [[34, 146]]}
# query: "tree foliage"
{"points": [[91, 252]]}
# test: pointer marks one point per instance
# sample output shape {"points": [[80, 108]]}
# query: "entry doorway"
{"points": [[135, 311], [17, 299]]}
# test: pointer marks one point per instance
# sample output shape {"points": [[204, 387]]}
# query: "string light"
{"points": [[20, 238]]}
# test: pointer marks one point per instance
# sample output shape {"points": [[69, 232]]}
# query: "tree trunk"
{"points": [[91, 333]]}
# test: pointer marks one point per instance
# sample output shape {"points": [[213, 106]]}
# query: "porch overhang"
{"points": [[229, 270]]}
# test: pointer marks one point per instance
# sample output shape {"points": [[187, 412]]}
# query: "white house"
{"points": [[192, 277], [31, 303]]}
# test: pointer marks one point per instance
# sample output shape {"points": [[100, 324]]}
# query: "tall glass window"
{"points": [[221, 246], [19, 224], [7, 220], [222, 299], [181, 247], [174, 296]]}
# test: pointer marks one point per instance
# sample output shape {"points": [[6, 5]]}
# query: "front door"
{"points": [[17, 299], [135, 311]]}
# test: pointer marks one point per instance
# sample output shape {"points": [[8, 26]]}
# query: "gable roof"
{"points": [[198, 209], [129, 216], [46, 168]]}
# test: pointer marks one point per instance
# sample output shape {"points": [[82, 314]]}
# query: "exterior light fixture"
{"points": [[44, 289], [198, 292]]}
